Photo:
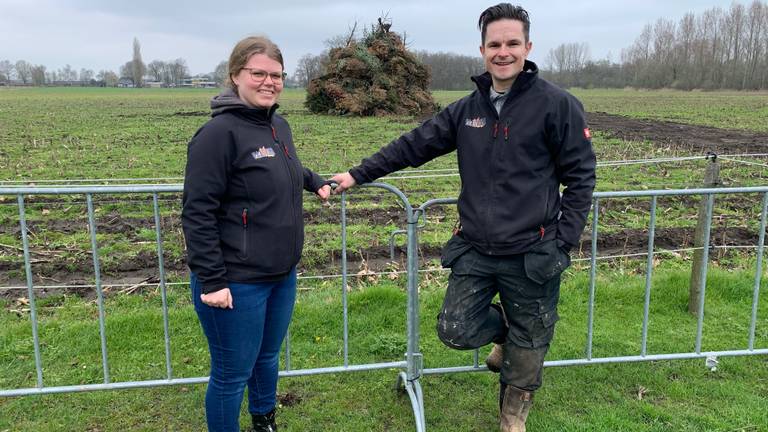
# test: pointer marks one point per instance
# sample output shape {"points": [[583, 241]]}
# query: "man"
{"points": [[518, 138]]}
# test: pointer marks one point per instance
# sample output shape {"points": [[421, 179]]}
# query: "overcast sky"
{"points": [[98, 34]]}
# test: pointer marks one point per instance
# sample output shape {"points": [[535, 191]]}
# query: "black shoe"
{"points": [[264, 422]]}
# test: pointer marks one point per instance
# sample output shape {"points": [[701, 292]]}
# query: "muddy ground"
{"points": [[50, 269], [692, 138]]}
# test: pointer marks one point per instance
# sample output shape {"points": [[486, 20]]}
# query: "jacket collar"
{"points": [[228, 100]]}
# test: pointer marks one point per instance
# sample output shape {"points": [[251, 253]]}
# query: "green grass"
{"points": [[676, 395], [112, 134]]}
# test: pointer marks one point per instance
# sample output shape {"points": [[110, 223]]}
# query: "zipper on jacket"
{"points": [[280, 144], [506, 131], [542, 231], [245, 232], [290, 176], [495, 129]]}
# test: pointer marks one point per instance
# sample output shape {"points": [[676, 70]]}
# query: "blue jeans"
{"points": [[244, 343]]}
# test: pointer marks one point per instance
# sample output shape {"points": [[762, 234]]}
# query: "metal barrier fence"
{"points": [[412, 367]]}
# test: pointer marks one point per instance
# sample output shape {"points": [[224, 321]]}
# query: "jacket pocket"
{"points": [[545, 261], [453, 249], [544, 329]]}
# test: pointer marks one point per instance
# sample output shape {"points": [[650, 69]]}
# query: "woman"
{"points": [[242, 219]]}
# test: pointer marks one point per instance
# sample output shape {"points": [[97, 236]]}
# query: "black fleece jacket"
{"points": [[242, 204], [511, 163]]}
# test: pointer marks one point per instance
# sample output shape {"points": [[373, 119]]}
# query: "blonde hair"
{"points": [[247, 47]]}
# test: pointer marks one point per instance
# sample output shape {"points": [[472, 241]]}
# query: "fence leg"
{"points": [[413, 356], [712, 363]]}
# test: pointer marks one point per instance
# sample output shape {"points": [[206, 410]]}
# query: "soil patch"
{"points": [[694, 138]]}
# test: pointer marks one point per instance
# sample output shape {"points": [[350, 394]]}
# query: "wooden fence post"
{"points": [[711, 179]]}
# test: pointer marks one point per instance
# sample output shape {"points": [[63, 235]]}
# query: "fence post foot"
{"points": [[711, 363], [413, 388]]}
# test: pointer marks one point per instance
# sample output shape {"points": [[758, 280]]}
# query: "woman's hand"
{"points": [[324, 192], [220, 299]]}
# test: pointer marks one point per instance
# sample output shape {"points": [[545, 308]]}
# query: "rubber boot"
{"points": [[496, 358], [264, 422], [514, 409]]}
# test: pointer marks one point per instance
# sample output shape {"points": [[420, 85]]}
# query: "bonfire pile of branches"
{"points": [[374, 76]]}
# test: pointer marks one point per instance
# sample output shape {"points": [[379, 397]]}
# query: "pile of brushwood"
{"points": [[373, 76]]}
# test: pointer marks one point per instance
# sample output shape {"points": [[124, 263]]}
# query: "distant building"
{"points": [[199, 82]]}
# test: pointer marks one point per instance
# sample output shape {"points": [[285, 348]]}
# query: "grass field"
{"points": [[109, 136]]}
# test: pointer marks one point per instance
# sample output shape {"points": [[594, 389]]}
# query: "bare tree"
{"points": [[309, 67], [178, 70], [86, 76], [753, 48], [6, 70], [126, 71], [137, 66], [450, 71], [24, 71], [37, 74], [107, 78], [221, 73], [156, 70], [67, 74]]}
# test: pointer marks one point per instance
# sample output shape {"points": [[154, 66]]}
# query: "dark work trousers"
{"points": [[468, 321]]}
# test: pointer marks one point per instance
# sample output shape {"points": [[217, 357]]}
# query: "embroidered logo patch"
{"points": [[475, 122], [263, 152], [587, 133]]}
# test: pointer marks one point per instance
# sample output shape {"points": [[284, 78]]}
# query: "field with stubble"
{"points": [[643, 140]]}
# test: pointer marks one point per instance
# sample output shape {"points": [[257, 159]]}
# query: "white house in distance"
{"points": [[202, 81]]}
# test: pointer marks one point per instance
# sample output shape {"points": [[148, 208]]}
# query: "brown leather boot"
{"points": [[495, 358], [514, 409]]}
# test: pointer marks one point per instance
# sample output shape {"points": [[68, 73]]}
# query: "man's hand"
{"points": [[220, 299], [324, 192], [344, 181]]}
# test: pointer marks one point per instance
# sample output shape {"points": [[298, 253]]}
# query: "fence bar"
{"points": [[163, 293], [758, 273], [592, 277], [703, 273], [413, 355], [344, 275], [607, 360], [392, 242], [30, 290], [99, 293], [648, 275], [80, 190]]}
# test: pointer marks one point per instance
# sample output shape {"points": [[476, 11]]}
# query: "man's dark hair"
{"points": [[504, 11]]}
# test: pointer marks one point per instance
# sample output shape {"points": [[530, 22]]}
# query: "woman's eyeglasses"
{"points": [[258, 75]]}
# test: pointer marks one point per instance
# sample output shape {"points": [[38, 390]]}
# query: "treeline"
{"points": [[133, 73], [451, 71], [25, 73], [719, 49]]}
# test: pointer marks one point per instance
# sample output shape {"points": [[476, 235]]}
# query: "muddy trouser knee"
{"points": [[467, 319]]}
